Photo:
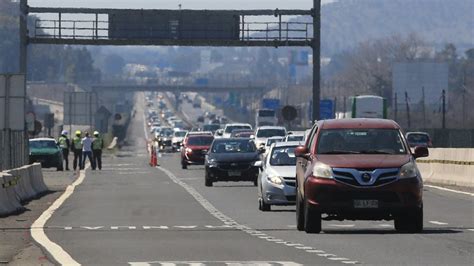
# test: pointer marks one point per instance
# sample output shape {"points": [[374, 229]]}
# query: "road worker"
{"points": [[97, 146], [65, 145], [76, 148]]}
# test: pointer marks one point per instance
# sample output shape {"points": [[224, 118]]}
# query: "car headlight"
{"points": [[189, 150], [321, 170], [409, 170], [275, 180], [212, 163]]}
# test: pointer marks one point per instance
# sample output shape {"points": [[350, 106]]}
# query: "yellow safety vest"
{"points": [[97, 143], [63, 142], [77, 143]]}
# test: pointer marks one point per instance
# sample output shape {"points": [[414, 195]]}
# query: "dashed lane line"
{"points": [[437, 223], [451, 190], [229, 221]]}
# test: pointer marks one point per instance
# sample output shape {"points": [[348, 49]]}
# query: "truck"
{"points": [[265, 117], [368, 106]]}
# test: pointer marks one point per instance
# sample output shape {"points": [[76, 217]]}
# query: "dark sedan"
{"points": [[47, 152], [232, 160]]}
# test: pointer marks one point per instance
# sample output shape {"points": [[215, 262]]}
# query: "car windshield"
{"points": [[200, 141], [420, 138], [360, 141], [43, 144], [266, 133], [266, 113], [282, 156], [229, 129], [180, 134], [166, 133], [233, 146]]}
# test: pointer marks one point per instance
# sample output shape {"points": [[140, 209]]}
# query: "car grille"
{"points": [[235, 166], [290, 181], [383, 196], [366, 177]]}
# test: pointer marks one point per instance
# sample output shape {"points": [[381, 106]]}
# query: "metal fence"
{"points": [[14, 149]]}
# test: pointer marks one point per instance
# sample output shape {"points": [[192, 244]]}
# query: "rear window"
{"points": [[283, 156], [229, 129], [423, 138], [360, 141], [234, 146], [200, 141], [295, 138], [43, 144], [266, 133]]}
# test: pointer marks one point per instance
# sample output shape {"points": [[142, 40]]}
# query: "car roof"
{"points": [[238, 124], [289, 143], [296, 133], [270, 127], [43, 139], [418, 132], [356, 123]]}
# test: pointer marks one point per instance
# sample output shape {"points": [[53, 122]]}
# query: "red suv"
{"points": [[358, 169], [194, 149]]}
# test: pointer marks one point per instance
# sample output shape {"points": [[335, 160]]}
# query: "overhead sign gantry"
{"points": [[226, 28]]}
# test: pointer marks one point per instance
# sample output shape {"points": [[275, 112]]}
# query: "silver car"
{"points": [[276, 181]]}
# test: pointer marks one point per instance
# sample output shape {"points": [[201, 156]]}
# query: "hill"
{"points": [[348, 22]]}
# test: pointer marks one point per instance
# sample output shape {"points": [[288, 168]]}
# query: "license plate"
{"points": [[366, 204], [234, 173]]}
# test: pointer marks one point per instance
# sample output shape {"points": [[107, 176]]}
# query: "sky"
{"points": [[186, 4]]}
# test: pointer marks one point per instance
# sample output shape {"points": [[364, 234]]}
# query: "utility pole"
{"points": [[395, 116], [443, 125], [23, 31], [316, 59], [423, 106], [408, 109]]}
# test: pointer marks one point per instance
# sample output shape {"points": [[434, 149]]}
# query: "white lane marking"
{"points": [[350, 262], [315, 251], [37, 228], [219, 215], [304, 248], [186, 226], [123, 227], [228, 263], [92, 227], [326, 255], [337, 259], [472, 230], [155, 227], [438, 223], [451, 190]]}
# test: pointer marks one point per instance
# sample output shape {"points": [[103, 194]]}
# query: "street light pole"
{"points": [[316, 59]]}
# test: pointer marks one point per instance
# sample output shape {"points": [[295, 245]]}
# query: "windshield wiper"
{"points": [[340, 152]]}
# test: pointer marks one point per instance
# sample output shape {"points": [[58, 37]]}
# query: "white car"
{"points": [[277, 180], [230, 127], [177, 139], [265, 132]]}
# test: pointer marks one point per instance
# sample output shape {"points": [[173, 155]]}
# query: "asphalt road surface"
{"points": [[130, 213]]}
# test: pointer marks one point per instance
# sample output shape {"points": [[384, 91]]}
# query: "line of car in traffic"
{"points": [[344, 169]]}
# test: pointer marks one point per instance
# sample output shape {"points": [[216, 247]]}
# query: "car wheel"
{"points": [[410, 222], [184, 165], [208, 182], [299, 212], [60, 167], [312, 220]]}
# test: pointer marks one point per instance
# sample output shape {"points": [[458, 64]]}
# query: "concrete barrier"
{"points": [[25, 181], [448, 166], [9, 202], [36, 179], [20, 191]]}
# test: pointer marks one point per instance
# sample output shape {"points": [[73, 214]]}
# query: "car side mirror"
{"points": [[421, 152], [302, 152], [258, 164], [219, 132]]}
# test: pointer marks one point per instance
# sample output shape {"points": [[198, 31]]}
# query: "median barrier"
{"points": [[448, 166], [9, 202], [20, 191], [37, 180], [25, 181]]}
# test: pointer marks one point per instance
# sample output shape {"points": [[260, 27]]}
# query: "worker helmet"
{"points": [[96, 133], [78, 132], [64, 132]]}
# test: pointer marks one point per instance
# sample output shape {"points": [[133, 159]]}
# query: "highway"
{"points": [[130, 213]]}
